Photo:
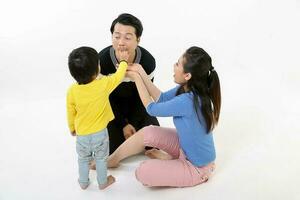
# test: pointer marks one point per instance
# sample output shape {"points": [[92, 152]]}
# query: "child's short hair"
{"points": [[83, 64]]}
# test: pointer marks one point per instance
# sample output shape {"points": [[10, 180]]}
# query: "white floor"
{"points": [[257, 158], [254, 46]]}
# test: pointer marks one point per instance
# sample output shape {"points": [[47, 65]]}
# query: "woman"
{"points": [[195, 107]]}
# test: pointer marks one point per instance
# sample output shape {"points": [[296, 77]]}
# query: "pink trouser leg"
{"points": [[172, 173], [178, 172], [163, 138]]}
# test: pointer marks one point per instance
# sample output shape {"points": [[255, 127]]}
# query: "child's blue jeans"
{"points": [[87, 146]]}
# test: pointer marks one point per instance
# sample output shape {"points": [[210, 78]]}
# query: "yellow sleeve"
{"points": [[117, 77], [71, 110]]}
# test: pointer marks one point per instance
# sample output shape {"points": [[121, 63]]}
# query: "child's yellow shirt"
{"points": [[88, 107]]}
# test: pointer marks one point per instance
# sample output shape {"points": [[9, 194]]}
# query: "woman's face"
{"points": [[124, 37], [180, 77]]}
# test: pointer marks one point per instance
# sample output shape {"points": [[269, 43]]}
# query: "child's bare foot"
{"points": [[110, 180], [92, 165], [111, 163], [158, 154], [84, 186]]}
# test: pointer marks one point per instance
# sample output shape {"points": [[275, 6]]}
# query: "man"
{"points": [[130, 114]]}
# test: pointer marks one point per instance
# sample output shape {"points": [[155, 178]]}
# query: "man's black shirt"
{"points": [[125, 100]]}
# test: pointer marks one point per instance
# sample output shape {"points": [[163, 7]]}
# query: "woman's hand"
{"points": [[132, 75], [136, 68]]}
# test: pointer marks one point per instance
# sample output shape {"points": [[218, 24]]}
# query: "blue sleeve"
{"points": [[177, 106], [165, 96]]}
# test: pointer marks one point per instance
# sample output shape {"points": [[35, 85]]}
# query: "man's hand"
{"points": [[128, 131]]}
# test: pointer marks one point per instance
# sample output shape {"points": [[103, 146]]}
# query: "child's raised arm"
{"points": [[116, 78]]}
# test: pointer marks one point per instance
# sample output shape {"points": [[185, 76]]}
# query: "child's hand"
{"points": [[73, 133], [123, 53]]}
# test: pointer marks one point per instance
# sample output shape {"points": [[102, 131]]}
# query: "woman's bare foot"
{"points": [[92, 165], [110, 180], [158, 154]]}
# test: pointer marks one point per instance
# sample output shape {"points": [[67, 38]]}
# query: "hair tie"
{"points": [[212, 69]]}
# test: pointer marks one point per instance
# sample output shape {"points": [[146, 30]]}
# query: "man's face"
{"points": [[124, 37]]}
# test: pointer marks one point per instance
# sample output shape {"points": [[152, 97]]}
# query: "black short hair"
{"points": [[129, 20], [83, 64]]}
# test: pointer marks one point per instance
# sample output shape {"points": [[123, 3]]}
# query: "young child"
{"points": [[195, 106], [89, 111]]}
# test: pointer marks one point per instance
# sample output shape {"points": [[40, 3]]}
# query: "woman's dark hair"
{"points": [[83, 64], [204, 84], [129, 20]]}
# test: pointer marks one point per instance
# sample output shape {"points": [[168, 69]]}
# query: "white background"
{"points": [[254, 45]]}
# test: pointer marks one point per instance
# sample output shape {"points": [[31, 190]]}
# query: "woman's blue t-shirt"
{"points": [[197, 145]]}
